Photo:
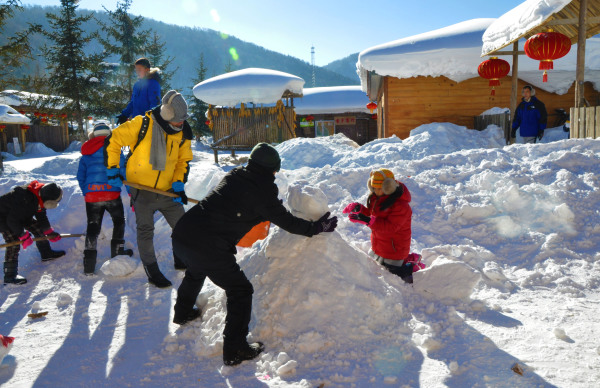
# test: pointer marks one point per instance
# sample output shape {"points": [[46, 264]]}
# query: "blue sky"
{"points": [[336, 28]]}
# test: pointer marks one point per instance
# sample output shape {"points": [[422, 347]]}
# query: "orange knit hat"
{"points": [[382, 179]]}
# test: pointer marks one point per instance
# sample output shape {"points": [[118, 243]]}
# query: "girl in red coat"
{"points": [[388, 214]]}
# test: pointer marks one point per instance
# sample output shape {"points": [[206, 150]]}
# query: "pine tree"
{"points": [[71, 69], [229, 66], [17, 49], [155, 53], [198, 107], [127, 41]]}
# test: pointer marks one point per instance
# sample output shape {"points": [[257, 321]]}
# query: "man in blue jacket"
{"points": [[100, 197], [146, 91], [530, 116]]}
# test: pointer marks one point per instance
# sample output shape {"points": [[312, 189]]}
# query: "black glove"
{"points": [[540, 134], [325, 224], [360, 218], [121, 119]]}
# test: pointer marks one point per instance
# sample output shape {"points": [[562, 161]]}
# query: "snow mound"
{"points": [[252, 85], [119, 266], [75, 146], [306, 152], [446, 278]]}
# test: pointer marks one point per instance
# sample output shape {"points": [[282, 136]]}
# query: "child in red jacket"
{"points": [[388, 214]]}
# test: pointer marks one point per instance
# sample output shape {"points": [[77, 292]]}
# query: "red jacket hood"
{"points": [[405, 193], [91, 146]]}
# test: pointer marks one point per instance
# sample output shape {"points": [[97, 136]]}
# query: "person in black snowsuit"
{"points": [[23, 211], [206, 236]]}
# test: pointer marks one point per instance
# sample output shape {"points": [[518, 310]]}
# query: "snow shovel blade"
{"points": [[67, 235]]}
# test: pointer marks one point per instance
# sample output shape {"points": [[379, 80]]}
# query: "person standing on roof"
{"points": [[531, 117], [146, 91]]}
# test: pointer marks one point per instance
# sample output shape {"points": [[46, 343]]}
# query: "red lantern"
{"points": [[24, 127], [371, 106], [493, 69], [310, 118], [2, 128], [37, 114], [90, 118], [44, 114], [374, 117], [22, 112], [207, 122], [546, 47], [63, 116]]}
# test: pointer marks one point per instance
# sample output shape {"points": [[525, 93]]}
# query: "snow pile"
{"points": [[23, 98], [452, 51], [9, 115], [332, 100], [119, 266], [253, 85], [425, 140], [33, 150], [518, 21], [495, 111], [75, 146]]}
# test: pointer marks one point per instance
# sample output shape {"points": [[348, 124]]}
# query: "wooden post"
{"points": [[514, 90], [580, 72]]}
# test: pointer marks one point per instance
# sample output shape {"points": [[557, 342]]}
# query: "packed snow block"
{"points": [[445, 279], [311, 201], [63, 299], [119, 266]]}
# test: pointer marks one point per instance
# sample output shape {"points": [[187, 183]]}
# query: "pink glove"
{"points": [[359, 218], [53, 236], [354, 207], [26, 239]]}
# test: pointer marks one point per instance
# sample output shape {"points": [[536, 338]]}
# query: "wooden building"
{"points": [[250, 106], [432, 77], [340, 109]]}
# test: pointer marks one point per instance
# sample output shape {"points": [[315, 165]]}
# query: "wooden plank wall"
{"points": [[585, 122], [54, 137], [502, 120], [366, 126], [410, 102], [260, 128]]}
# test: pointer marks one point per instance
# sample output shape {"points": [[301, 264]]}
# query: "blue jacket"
{"points": [[145, 96], [531, 117], [91, 174]]}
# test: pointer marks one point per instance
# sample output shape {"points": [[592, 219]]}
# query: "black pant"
{"points": [[95, 213], [220, 267], [12, 253]]}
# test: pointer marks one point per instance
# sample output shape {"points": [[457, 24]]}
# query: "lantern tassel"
{"points": [[547, 64], [493, 93], [545, 77]]}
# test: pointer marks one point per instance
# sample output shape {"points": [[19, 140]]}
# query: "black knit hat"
{"points": [[50, 192], [266, 155]]}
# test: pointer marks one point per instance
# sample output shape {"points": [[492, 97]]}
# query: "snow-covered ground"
{"points": [[510, 236]]}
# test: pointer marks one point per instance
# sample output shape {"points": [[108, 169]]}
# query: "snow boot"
{"points": [[236, 355], [156, 277], [117, 247], [47, 252], [182, 319], [89, 261], [178, 263], [10, 273]]}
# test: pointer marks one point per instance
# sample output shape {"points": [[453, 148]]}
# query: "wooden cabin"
{"points": [[250, 106], [326, 111], [432, 77]]}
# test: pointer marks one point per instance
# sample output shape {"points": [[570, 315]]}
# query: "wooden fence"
{"points": [[54, 137], [585, 122], [502, 120]]}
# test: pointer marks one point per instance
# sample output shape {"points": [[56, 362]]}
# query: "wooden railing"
{"points": [[585, 122]]}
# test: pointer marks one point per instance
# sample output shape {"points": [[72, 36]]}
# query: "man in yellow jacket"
{"points": [[160, 152]]}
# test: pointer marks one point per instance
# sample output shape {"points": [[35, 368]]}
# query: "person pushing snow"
{"points": [[100, 197], [22, 212], [388, 214], [206, 236]]}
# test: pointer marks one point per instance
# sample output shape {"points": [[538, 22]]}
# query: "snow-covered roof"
{"points": [[253, 85], [9, 115], [331, 100], [518, 21], [455, 52], [452, 51], [22, 98]]}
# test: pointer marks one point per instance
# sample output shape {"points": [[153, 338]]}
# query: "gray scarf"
{"points": [[158, 149]]}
